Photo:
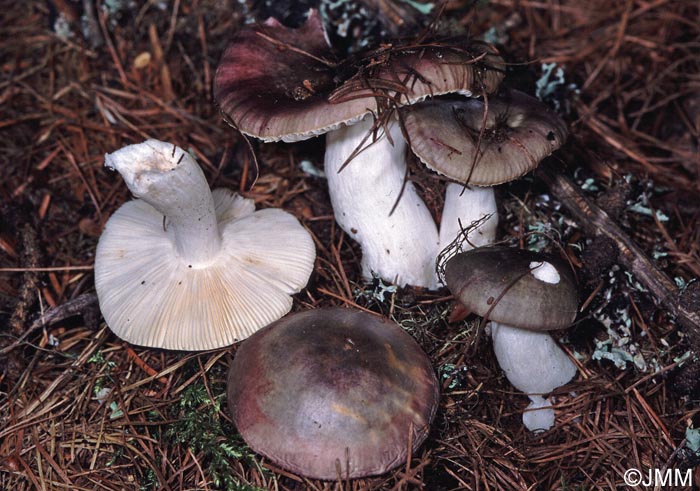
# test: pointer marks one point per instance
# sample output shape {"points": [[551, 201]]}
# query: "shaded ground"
{"points": [[145, 71]]}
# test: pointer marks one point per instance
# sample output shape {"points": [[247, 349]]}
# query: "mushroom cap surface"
{"points": [[279, 83], [515, 287], [519, 131], [332, 389]]}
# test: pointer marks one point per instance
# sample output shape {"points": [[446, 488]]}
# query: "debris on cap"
{"points": [[279, 83]]}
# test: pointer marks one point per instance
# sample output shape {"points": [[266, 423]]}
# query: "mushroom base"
{"points": [[535, 365]]}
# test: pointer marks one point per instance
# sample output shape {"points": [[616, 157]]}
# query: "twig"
{"points": [[30, 284], [143, 365], [92, 28], [80, 305], [596, 222], [88, 267]]}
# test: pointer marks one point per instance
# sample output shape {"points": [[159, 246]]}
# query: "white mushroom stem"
{"points": [[535, 365], [466, 205], [168, 178], [401, 246]]}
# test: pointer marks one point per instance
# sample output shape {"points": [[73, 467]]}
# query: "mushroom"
{"points": [[523, 294], [301, 92], [187, 269], [332, 393], [480, 144]]}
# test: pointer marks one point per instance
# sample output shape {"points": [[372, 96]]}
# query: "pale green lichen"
{"points": [[116, 412], [645, 210], [552, 87], [453, 373], [589, 185], [491, 36], [618, 347], [679, 359], [310, 169], [62, 27], [692, 439], [423, 8], [657, 254], [376, 290]]}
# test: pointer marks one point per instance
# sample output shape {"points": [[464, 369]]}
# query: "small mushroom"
{"points": [[187, 269], [523, 294], [301, 91], [332, 393]]}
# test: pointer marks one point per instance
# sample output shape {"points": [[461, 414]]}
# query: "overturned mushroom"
{"points": [[523, 294], [184, 268], [332, 393], [300, 91]]}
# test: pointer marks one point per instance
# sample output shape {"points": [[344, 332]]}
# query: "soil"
{"points": [[81, 409]]}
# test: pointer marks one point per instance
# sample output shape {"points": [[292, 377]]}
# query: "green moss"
{"points": [[200, 427]]}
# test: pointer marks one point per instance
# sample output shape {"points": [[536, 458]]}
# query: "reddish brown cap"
{"points": [[519, 132], [280, 83], [332, 390]]}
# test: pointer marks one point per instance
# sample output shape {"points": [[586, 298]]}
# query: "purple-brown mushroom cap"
{"points": [[279, 83], [519, 131], [516, 287], [332, 393]]}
